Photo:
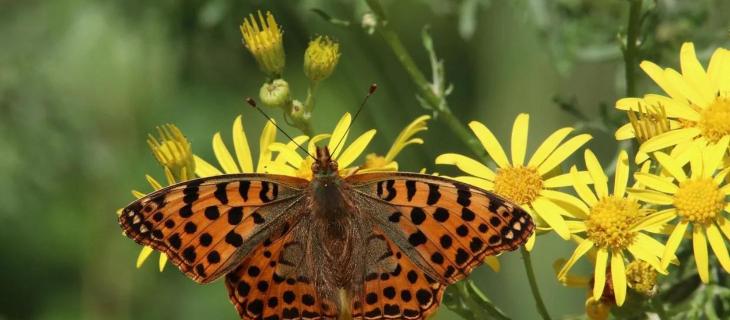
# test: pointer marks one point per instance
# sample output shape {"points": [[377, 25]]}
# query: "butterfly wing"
{"points": [[447, 228], [270, 283], [206, 226], [395, 287]]}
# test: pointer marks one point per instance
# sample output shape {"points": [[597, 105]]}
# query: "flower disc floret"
{"points": [[520, 184], [610, 221], [699, 200], [715, 119]]}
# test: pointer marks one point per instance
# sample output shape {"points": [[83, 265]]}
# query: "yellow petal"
{"points": [[581, 250], [655, 219], [550, 212], [694, 73], [143, 255], [155, 185], [600, 181], [718, 71], [563, 152], [356, 148], [576, 226], [490, 143], [673, 108], [600, 273], [519, 139], [268, 136], [467, 165], [678, 83], [695, 162], [223, 155], [625, 132], [138, 195], [621, 176], [162, 262], [339, 134], [582, 189], [405, 137], [531, 242], [291, 145], [548, 146], [673, 243], [724, 225], [657, 74], [717, 243], [618, 277], [204, 169], [241, 147], [669, 138], [699, 246], [566, 180], [656, 182], [286, 153], [564, 200], [671, 166], [493, 263], [651, 196], [642, 254], [474, 181], [713, 156], [719, 178]]}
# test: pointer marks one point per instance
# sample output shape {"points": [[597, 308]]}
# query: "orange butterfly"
{"points": [[373, 245]]}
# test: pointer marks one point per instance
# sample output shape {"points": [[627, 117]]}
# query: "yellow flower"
{"points": [[641, 277], [374, 162], [172, 150], [243, 162], [321, 58], [612, 223], [264, 40], [698, 102], [290, 162], [530, 184], [697, 199]]}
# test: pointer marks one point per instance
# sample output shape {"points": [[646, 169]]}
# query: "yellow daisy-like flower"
{"points": [[698, 105], [612, 223], [243, 162], [264, 40], [697, 199], [291, 163], [531, 185], [374, 162], [321, 58]]}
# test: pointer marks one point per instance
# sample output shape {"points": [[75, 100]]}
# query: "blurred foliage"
{"points": [[82, 82]]}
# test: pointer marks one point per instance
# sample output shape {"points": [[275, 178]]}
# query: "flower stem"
{"points": [[527, 261], [443, 111], [631, 48]]}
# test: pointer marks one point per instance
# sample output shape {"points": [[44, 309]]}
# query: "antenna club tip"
{"points": [[251, 102], [373, 87]]}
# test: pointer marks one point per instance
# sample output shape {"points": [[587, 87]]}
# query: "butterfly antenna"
{"points": [[372, 89], [252, 103]]}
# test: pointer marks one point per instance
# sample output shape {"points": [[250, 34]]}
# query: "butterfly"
{"points": [[366, 246]]}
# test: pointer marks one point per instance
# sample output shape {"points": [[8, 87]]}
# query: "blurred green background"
{"points": [[83, 82]]}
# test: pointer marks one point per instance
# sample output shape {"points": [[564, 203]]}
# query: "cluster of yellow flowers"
{"points": [[629, 231]]}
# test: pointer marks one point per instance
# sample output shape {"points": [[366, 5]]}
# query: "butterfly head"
{"points": [[324, 164]]}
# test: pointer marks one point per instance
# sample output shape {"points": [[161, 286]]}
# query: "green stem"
{"points": [[631, 49], [527, 261], [424, 87], [441, 106]]}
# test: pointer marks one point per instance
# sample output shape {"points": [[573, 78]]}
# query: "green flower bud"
{"points": [[299, 113], [275, 93]]}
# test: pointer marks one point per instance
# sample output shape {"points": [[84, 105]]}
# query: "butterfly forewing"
{"points": [[453, 226], [207, 225]]}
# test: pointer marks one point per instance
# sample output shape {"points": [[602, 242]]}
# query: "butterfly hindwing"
{"points": [[395, 287], [207, 225], [268, 284], [453, 226]]}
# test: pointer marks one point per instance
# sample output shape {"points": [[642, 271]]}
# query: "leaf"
{"points": [[331, 19]]}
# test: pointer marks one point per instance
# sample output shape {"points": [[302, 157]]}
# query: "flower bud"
{"points": [[321, 58], [299, 113], [641, 277], [264, 40], [275, 93], [173, 151]]}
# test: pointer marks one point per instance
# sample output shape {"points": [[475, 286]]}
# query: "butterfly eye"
{"points": [[315, 167], [333, 165]]}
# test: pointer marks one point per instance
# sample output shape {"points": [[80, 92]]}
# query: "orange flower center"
{"points": [[519, 184]]}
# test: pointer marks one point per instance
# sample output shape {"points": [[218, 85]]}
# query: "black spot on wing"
{"points": [[410, 189], [433, 194], [220, 192]]}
